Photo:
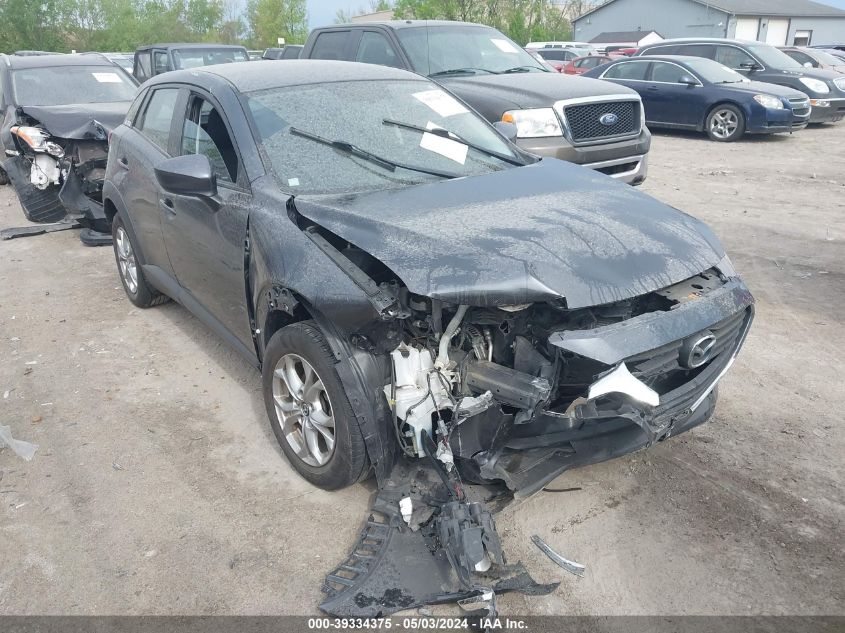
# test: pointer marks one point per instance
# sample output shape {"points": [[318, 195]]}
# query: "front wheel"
{"points": [[132, 277], [309, 410], [726, 123]]}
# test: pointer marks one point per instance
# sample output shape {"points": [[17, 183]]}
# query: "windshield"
{"points": [[63, 85], [714, 72], [770, 56], [476, 49], [363, 114], [195, 57]]}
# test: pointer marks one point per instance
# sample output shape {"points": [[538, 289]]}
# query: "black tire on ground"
{"points": [[725, 123], [41, 205], [348, 462], [143, 295]]}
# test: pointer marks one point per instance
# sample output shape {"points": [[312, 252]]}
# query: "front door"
{"points": [[669, 100], [205, 238]]}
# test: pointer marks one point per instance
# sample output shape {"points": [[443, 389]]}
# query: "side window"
{"points": [[155, 124], [375, 48], [802, 58], [632, 71], [591, 62], [132, 115], [204, 132], [732, 57], [291, 52], [581, 63], [160, 62], [142, 65], [661, 50], [330, 45], [697, 50], [667, 73]]}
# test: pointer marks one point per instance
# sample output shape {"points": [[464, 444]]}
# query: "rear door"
{"points": [[143, 146], [670, 102], [205, 238]]}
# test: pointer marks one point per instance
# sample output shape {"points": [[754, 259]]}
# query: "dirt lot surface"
{"points": [[158, 487]]}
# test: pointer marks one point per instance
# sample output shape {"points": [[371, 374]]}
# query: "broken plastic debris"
{"points": [[406, 507], [569, 565], [22, 449]]}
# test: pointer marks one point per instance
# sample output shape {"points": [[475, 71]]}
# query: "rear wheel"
{"points": [[137, 289], [309, 410], [725, 123]]}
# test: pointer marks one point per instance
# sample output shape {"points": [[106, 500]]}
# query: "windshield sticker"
{"points": [[504, 45], [453, 150], [293, 182], [443, 104], [107, 78]]}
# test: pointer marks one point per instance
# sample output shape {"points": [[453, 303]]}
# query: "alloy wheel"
{"points": [[724, 123], [304, 409], [126, 261]]}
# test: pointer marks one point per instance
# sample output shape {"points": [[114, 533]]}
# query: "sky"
{"points": [[322, 12]]}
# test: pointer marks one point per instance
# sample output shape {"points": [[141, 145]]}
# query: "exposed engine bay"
{"points": [[498, 400]]}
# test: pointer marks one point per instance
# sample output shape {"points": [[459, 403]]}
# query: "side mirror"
{"points": [[508, 130], [189, 175], [808, 65], [750, 66], [688, 80]]}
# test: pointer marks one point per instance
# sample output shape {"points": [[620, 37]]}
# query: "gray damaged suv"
{"points": [[584, 121]]}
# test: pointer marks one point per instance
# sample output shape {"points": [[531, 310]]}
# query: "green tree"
{"points": [[271, 19]]}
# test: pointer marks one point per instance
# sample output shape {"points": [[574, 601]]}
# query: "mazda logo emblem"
{"points": [[609, 118], [697, 350]]}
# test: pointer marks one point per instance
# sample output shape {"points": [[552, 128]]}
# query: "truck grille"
{"points": [[662, 369], [585, 120]]}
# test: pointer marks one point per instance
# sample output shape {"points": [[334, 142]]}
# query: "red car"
{"points": [[580, 65]]}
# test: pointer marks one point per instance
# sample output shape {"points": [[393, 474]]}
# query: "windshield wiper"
{"points": [[462, 71], [349, 149], [520, 69], [443, 133]]}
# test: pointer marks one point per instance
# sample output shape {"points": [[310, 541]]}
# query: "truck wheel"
{"points": [[137, 289], [725, 123], [309, 410]]}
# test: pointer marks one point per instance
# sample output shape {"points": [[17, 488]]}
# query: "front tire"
{"points": [[140, 293], [725, 123], [309, 410]]}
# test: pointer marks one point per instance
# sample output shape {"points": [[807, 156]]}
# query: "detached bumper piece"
{"points": [[39, 229], [445, 549]]}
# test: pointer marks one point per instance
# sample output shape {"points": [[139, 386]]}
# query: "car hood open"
{"points": [[79, 121], [533, 233]]}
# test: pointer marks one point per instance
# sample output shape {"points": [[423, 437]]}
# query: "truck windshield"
{"points": [[343, 137], [472, 49], [195, 57], [63, 85]]}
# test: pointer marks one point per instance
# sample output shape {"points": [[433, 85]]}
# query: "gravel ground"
{"points": [[158, 487]]}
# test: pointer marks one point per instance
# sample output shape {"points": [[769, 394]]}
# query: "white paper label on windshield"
{"points": [[107, 78], [453, 150], [442, 103], [504, 45], [293, 182]]}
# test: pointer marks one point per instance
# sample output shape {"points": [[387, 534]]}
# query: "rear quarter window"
{"points": [[330, 45], [158, 116]]}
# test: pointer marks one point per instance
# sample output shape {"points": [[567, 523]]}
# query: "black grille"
{"points": [[585, 120], [661, 369]]}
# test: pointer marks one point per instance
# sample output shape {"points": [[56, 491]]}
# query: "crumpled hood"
{"points": [[80, 121], [534, 233], [529, 90]]}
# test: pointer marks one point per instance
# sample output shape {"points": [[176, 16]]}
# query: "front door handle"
{"points": [[123, 162], [167, 205]]}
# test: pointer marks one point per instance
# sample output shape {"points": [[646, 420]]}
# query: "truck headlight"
{"points": [[768, 101], [534, 123], [816, 85]]}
